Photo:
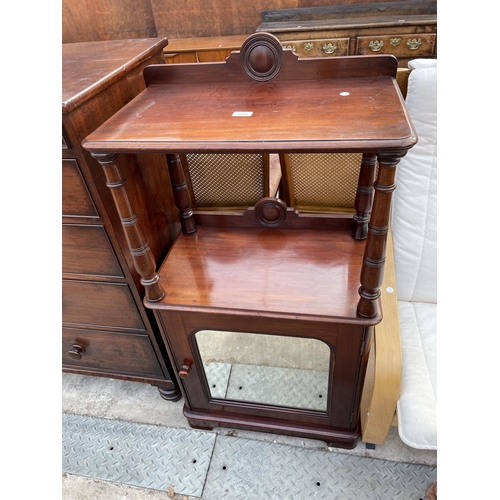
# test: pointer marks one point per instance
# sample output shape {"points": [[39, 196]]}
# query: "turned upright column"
{"points": [[182, 197], [364, 196], [372, 270], [142, 256]]}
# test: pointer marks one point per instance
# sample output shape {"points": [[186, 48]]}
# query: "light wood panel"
{"points": [[383, 374]]}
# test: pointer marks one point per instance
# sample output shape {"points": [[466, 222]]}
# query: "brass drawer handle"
{"points": [[395, 41], [376, 45], [308, 46], [329, 48], [414, 44], [76, 351]]}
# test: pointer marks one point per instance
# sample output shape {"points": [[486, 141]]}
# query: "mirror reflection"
{"points": [[268, 369]]}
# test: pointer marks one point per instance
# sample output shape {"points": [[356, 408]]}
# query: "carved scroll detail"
{"points": [[270, 212], [261, 56]]}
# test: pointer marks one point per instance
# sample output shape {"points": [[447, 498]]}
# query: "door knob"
{"points": [[76, 351], [184, 371]]}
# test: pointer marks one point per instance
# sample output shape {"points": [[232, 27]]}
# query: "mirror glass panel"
{"points": [[268, 369]]}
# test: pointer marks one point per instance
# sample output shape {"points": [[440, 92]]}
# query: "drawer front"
{"points": [[319, 47], [181, 57], [76, 199], [213, 55], [407, 45], [116, 352], [87, 250], [108, 305]]}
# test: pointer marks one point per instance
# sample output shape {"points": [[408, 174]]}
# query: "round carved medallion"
{"points": [[270, 212], [261, 56]]}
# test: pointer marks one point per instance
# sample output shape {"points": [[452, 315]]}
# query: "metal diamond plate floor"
{"points": [[141, 455], [244, 469], [216, 467]]}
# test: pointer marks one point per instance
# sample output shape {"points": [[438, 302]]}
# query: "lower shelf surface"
{"points": [[298, 273]]}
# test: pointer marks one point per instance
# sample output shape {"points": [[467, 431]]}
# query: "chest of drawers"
{"points": [[406, 29], [106, 329]]}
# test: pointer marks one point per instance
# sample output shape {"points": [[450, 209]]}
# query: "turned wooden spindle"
{"points": [[372, 270], [142, 256], [364, 196], [181, 194]]}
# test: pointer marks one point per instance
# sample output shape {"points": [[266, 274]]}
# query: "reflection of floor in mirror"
{"points": [[269, 385]]}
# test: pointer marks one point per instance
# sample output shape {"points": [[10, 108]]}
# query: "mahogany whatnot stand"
{"points": [[268, 270]]}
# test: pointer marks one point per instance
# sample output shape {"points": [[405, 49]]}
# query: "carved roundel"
{"points": [[270, 212], [261, 56]]}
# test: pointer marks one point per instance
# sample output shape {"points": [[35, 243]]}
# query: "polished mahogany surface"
{"points": [[173, 116], [266, 270], [342, 109], [88, 68]]}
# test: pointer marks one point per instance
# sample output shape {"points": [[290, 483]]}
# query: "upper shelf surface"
{"points": [[344, 113], [263, 98]]}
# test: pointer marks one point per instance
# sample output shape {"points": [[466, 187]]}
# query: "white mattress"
{"points": [[414, 226]]}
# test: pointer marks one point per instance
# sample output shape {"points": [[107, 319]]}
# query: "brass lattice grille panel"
{"points": [[325, 179], [226, 180]]}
